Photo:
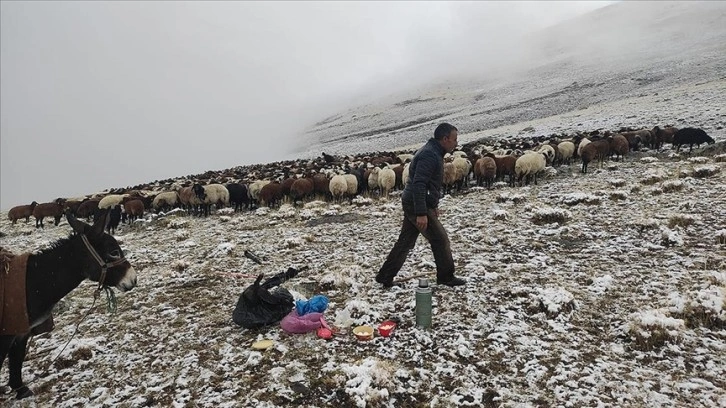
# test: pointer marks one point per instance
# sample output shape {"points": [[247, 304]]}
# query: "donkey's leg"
{"points": [[17, 355]]}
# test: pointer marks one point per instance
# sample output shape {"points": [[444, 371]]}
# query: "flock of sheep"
{"points": [[337, 178]]}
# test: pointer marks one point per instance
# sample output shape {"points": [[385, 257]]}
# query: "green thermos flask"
{"points": [[423, 304]]}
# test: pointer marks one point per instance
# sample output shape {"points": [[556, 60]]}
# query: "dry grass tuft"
{"points": [[672, 185], [681, 220], [549, 215], [705, 171]]}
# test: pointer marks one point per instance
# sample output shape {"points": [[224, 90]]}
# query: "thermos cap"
{"points": [[423, 283]]}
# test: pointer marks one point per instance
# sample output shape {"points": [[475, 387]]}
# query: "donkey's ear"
{"points": [[99, 224], [78, 226]]}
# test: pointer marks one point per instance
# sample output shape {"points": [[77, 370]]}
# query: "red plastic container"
{"points": [[325, 333], [386, 328]]}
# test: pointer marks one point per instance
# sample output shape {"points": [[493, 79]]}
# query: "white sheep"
{"points": [[529, 165], [386, 180], [255, 188], [338, 186], [166, 199], [405, 173], [216, 194], [548, 151], [405, 157], [111, 201], [459, 154], [373, 179], [567, 149], [584, 142], [463, 169], [352, 182]]}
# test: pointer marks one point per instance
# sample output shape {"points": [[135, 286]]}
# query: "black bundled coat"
{"points": [[258, 307]]}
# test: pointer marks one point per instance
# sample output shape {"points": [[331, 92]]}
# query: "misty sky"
{"points": [[95, 95]]}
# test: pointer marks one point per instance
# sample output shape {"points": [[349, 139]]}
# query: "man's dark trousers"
{"points": [[440, 245]]}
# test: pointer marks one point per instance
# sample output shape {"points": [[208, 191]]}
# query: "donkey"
{"points": [[88, 253]]}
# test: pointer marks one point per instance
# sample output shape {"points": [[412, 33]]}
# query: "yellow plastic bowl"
{"points": [[363, 333]]}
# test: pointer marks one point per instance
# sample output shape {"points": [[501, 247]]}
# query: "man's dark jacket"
{"points": [[425, 177]]}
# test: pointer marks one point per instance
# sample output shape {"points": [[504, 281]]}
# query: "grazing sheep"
{"points": [[301, 189], [211, 194], [404, 174], [271, 194], [506, 166], [619, 146], [528, 167], [663, 135], [549, 153], [596, 150], [254, 191], [338, 186], [110, 201], [637, 137], [134, 209], [321, 185], [43, 210], [189, 200], [450, 177], [691, 136], [485, 170], [373, 178], [88, 208], [464, 168], [398, 169], [165, 201], [72, 205], [352, 182], [21, 211], [581, 146], [285, 187], [567, 150], [238, 195], [386, 180], [405, 158]]}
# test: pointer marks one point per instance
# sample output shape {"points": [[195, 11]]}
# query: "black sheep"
{"points": [[691, 136], [238, 196]]}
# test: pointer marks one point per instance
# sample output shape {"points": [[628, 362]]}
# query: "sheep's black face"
{"points": [[199, 191]]}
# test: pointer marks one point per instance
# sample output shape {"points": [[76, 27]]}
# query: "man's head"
{"points": [[447, 135]]}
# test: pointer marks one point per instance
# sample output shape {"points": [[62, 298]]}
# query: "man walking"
{"points": [[420, 200]]}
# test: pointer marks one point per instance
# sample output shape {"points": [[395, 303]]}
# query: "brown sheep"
{"points": [[72, 206], [321, 185], [285, 186], [301, 189], [636, 137], [485, 170], [189, 200], [619, 146], [505, 165], [134, 209], [271, 194], [663, 135], [595, 150], [88, 208], [43, 210], [21, 211]]}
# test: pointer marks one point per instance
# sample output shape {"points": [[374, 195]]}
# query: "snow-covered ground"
{"points": [[605, 289], [600, 289]]}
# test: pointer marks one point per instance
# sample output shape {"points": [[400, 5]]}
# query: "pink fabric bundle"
{"points": [[294, 323]]}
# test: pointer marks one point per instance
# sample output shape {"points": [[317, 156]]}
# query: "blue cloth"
{"points": [[317, 304]]}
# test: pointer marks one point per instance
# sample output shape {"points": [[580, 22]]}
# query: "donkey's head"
{"points": [[102, 252]]}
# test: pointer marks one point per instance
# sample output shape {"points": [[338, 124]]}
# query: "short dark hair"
{"points": [[444, 130]]}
